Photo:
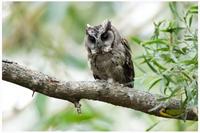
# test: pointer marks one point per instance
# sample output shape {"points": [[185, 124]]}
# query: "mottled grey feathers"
{"points": [[109, 55]]}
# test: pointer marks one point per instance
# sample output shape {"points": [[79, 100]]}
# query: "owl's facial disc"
{"points": [[100, 38], [107, 41]]}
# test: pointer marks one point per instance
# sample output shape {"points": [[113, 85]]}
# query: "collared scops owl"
{"points": [[109, 54]]}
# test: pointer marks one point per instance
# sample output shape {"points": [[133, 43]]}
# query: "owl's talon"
{"points": [[122, 85], [98, 80], [110, 80]]}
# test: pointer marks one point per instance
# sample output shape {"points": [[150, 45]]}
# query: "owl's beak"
{"points": [[98, 45]]}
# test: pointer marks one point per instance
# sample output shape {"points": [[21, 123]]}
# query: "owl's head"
{"points": [[100, 38]]}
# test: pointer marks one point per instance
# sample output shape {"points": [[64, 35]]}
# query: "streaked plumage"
{"points": [[109, 55]]}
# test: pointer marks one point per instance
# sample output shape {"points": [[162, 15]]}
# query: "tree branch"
{"points": [[115, 94]]}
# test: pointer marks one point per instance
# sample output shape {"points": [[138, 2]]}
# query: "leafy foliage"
{"points": [[68, 119], [172, 53]]}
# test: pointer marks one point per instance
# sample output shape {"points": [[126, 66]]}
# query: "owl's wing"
{"points": [[125, 43], [128, 66]]}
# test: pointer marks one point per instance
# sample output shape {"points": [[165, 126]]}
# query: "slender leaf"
{"points": [[163, 49], [190, 20], [172, 94], [149, 64], [154, 83], [173, 9], [152, 126], [159, 65], [156, 41]]}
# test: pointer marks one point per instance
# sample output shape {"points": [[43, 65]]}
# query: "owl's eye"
{"points": [[104, 36], [92, 39]]}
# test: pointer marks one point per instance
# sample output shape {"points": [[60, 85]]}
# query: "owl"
{"points": [[109, 55]]}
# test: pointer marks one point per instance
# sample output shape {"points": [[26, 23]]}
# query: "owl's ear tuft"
{"points": [[108, 24], [87, 28]]}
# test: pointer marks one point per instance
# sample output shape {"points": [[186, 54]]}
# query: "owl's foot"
{"points": [[110, 80]]}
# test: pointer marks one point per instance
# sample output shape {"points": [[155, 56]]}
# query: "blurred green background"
{"points": [[49, 37]]}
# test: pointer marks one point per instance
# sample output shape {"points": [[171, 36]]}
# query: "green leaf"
{"points": [[136, 39], [180, 51], [187, 76], [190, 20], [166, 82], [158, 65], [168, 78], [166, 88], [192, 10], [156, 41], [194, 7], [173, 9], [167, 58], [154, 83], [172, 29], [172, 95], [149, 64], [189, 39], [163, 49], [193, 61]]}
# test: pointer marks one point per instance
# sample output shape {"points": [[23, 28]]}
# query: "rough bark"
{"points": [[115, 94]]}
